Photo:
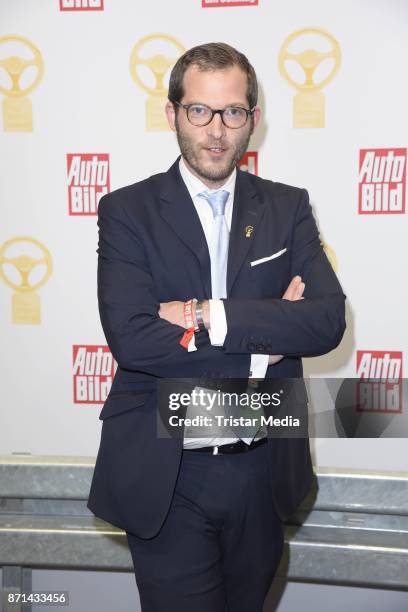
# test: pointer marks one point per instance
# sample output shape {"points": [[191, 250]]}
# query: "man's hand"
{"points": [[173, 312], [293, 293], [295, 290]]}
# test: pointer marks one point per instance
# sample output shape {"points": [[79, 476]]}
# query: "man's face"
{"points": [[212, 151]]}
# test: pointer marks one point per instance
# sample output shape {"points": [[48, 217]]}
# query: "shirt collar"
{"points": [[196, 186]]}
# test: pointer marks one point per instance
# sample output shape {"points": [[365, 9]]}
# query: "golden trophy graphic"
{"points": [[331, 255], [159, 65], [26, 305], [17, 108], [309, 103]]}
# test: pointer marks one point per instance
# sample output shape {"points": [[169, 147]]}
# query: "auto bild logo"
{"points": [[382, 181], [93, 371], [88, 181], [249, 162], [213, 3], [81, 5], [380, 381]]}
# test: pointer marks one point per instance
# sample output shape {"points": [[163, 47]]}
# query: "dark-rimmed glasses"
{"points": [[200, 114]]}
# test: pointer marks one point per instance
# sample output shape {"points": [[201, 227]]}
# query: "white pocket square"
{"points": [[263, 259]]}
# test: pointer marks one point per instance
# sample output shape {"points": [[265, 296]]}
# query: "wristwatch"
{"points": [[199, 315]]}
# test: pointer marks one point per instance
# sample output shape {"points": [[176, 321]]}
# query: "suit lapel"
{"points": [[246, 217], [179, 212]]}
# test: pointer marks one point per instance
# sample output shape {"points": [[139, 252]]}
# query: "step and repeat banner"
{"points": [[83, 85]]}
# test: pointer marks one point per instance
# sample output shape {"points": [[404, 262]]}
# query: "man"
{"points": [[203, 515]]}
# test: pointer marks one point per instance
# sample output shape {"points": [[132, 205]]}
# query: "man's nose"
{"points": [[216, 128]]}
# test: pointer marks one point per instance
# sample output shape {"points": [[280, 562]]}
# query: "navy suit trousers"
{"points": [[221, 542]]}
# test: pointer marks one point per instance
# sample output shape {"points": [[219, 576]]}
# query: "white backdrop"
{"points": [[87, 103]]}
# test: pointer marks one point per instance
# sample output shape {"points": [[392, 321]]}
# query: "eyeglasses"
{"points": [[200, 115]]}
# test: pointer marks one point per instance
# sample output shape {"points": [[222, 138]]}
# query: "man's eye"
{"points": [[232, 111], [198, 110]]}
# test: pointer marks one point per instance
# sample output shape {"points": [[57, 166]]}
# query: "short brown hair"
{"points": [[212, 56]]}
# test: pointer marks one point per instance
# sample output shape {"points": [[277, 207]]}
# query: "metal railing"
{"points": [[352, 531]]}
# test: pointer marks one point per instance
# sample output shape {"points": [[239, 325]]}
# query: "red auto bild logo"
{"points": [[213, 3], [380, 385], [249, 162], [81, 5], [93, 372], [382, 181], [88, 181]]}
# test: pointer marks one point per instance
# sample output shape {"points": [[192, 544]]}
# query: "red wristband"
{"points": [[188, 318], [188, 314]]}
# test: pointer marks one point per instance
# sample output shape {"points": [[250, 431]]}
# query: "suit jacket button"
{"points": [[269, 347], [260, 347], [251, 347]]}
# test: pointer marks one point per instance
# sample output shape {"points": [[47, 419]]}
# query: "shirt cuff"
{"points": [[259, 365], [218, 323]]}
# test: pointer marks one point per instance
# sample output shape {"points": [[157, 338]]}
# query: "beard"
{"points": [[216, 170]]}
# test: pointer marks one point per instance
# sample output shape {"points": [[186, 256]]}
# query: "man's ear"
{"points": [[256, 117], [171, 115]]}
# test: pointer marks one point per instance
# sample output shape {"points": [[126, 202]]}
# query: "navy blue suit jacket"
{"points": [[152, 249]]}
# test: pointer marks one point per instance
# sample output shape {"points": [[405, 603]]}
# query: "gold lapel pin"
{"points": [[248, 231]]}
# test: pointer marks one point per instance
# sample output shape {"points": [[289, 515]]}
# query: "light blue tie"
{"points": [[219, 242], [219, 260]]}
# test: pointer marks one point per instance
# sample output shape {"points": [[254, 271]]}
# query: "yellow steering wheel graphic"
{"points": [[309, 59], [158, 64], [25, 264], [15, 66]]}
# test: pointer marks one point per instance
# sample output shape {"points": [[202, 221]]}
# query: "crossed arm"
{"points": [[173, 312], [142, 337]]}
